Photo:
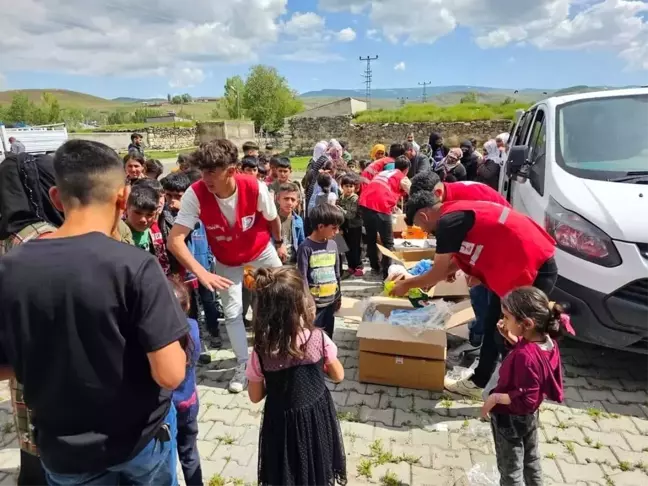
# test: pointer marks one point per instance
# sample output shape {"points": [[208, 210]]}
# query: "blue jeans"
{"points": [[154, 465], [188, 446], [479, 296]]}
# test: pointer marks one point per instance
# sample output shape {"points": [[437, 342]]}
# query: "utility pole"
{"points": [[425, 85], [367, 76]]}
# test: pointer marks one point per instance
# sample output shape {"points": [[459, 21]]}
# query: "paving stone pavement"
{"points": [[397, 436]]}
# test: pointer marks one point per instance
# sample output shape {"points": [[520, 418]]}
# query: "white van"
{"points": [[40, 139], [578, 165]]}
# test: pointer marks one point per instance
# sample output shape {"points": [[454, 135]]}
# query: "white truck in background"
{"points": [[578, 166], [42, 139]]}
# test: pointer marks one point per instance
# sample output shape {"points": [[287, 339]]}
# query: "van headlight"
{"points": [[577, 236]]}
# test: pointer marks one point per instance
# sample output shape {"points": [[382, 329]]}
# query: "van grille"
{"points": [[636, 292]]}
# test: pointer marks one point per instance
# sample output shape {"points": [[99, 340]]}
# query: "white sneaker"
{"points": [[464, 387], [239, 382]]}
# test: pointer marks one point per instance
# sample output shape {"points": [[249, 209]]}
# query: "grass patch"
{"points": [[588, 441], [562, 425], [598, 445], [434, 113], [237, 481], [348, 416], [216, 480], [446, 403], [625, 466], [608, 480], [133, 127], [226, 439], [299, 165], [551, 455], [364, 469], [165, 154], [390, 479], [569, 445]]}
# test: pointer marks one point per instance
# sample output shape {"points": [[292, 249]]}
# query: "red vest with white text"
{"points": [[472, 191], [245, 241], [504, 249], [383, 192]]}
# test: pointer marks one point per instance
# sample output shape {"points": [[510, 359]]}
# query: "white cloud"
{"points": [[158, 37], [304, 24], [186, 77], [400, 66], [346, 35], [373, 34], [619, 26]]}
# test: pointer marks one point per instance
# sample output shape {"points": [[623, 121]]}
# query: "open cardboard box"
{"points": [[409, 258], [394, 355]]}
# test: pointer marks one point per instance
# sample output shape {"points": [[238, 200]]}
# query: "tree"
{"points": [[20, 109], [469, 98], [233, 99], [186, 98], [169, 97], [52, 108], [176, 100], [268, 99]]}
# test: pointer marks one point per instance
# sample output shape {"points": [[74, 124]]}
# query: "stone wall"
{"points": [[301, 134]]}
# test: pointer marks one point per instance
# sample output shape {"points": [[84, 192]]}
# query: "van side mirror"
{"points": [[517, 158]]}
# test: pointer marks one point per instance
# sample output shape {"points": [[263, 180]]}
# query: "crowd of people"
{"points": [[115, 283]]}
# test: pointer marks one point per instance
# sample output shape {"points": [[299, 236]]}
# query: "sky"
{"points": [[149, 48]]}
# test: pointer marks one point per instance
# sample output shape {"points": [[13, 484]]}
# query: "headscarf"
{"points": [[504, 137], [434, 138], [466, 144], [453, 158], [320, 149], [25, 181], [492, 151], [335, 150], [377, 148]]}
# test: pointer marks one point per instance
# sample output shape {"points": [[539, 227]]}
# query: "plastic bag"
{"points": [[482, 476], [458, 373], [421, 267], [433, 316]]}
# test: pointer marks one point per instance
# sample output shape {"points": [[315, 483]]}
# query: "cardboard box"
{"points": [[393, 355], [409, 258], [398, 223]]}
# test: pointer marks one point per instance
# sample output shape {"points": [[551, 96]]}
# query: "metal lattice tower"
{"points": [[367, 76], [425, 85]]}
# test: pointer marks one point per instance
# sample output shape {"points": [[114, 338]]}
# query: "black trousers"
{"points": [[31, 470], [353, 238], [188, 448], [493, 343], [378, 224], [325, 319]]}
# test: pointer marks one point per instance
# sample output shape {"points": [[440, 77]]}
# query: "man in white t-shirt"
{"points": [[243, 229]]}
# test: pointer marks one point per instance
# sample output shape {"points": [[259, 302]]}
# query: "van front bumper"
{"points": [[617, 320]]}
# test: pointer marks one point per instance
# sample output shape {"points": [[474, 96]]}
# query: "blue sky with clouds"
{"points": [[153, 47]]}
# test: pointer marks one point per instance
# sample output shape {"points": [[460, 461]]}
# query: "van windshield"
{"points": [[603, 138]]}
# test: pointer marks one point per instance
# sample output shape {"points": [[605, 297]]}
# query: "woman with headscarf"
{"points": [[502, 144], [26, 213], [378, 151], [469, 159], [438, 151], [323, 153], [454, 169], [489, 170]]}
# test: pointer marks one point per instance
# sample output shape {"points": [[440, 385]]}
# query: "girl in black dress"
{"points": [[300, 442]]}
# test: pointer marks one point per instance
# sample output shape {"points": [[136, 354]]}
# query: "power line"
{"points": [[367, 76], [425, 85]]}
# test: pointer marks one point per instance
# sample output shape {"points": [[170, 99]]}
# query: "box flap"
{"points": [[408, 258], [458, 288], [398, 223], [400, 341], [351, 309]]}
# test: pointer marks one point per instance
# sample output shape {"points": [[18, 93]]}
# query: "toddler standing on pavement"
{"points": [[528, 374]]}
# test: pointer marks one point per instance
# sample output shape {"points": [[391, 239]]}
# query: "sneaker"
{"points": [[215, 342], [359, 272], [239, 382], [464, 387]]}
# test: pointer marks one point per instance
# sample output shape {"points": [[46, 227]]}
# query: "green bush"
{"points": [[434, 113]]}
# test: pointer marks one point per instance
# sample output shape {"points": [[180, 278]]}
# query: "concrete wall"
{"points": [[238, 132], [343, 107], [301, 134]]}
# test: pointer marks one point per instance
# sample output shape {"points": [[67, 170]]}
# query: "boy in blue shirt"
{"points": [[292, 225]]}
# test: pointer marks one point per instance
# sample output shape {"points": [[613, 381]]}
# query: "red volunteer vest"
{"points": [[242, 243], [472, 191], [383, 192], [376, 167], [504, 249]]}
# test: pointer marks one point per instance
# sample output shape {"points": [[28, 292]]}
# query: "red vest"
{"points": [[472, 191], [376, 167], [504, 249], [242, 243], [383, 192]]}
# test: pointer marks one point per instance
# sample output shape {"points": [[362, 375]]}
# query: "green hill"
{"points": [[67, 98]]}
